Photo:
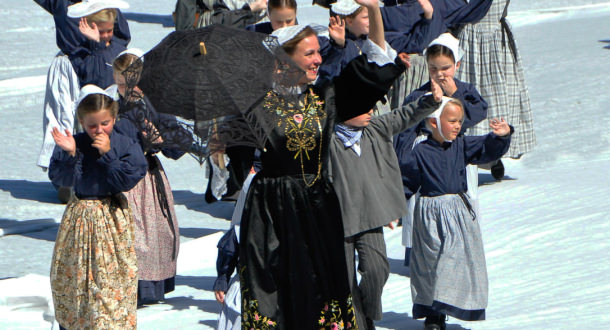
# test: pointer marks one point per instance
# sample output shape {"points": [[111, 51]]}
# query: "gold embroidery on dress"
{"points": [[301, 123]]}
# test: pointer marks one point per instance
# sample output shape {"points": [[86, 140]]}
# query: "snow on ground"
{"points": [[545, 227]]}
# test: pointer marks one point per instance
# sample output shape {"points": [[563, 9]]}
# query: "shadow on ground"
{"points": [[43, 192]]}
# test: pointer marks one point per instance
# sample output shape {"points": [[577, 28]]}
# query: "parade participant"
{"points": [[94, 266]]}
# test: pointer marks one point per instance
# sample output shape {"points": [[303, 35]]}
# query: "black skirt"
{"points": [[292, 263]]}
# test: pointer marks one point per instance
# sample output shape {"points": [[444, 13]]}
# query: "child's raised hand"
{"points": [[437, 91], [65, 142], [91, 32], [405, 59], [336, 30], [102, 143], [368, 3], [427, 7], [500, 127]]}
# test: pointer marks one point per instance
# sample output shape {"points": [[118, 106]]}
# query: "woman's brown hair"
{"points": [[291, 45]]}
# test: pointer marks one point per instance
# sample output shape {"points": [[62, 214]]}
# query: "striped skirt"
{"points": [[491, 63], [410, 80], [448, 270], [94, 268]]}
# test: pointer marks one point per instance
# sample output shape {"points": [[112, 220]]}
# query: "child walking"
{"points": [[366, 178], [157, 236], [94, 268], [443, 57], [448, 271]]}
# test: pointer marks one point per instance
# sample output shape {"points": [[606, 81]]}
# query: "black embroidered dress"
{"points": [[292, 264]]}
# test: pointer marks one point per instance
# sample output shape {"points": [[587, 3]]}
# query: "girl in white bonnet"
{"points": [[448, 271]]}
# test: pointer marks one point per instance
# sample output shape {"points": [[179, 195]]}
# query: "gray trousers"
{"points": [[374, 270]]}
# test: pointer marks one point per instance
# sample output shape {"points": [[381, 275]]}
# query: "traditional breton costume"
{"points": [[94, 266], [151, 201], [448, 271]]}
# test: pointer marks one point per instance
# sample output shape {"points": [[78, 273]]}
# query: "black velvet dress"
{"points": [[292, 263]]}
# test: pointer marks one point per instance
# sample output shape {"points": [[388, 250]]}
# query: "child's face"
{"points": [[451, 122], [359, 25], [361, 121], [119, 80], [100, 122], [282, 17], [441, 67], [106, 31]]}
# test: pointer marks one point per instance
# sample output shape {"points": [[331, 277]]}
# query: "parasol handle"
{"points": [[202, 48]]}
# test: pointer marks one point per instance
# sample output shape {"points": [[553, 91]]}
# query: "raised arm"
{"points": [[375, 22]]}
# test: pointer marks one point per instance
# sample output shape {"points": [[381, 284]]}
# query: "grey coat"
{"points": [[369, 187]]}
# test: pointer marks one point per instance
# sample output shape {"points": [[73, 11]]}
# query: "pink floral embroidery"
{"points": [[298, 118]]}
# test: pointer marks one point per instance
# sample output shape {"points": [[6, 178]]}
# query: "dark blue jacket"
{"points": [[452, 13], [438, 169], [91, 61], [228, 252], [92, 175]]}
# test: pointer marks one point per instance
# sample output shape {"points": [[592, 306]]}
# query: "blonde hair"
{"points": [[455, 102], [102, 16], [93, 103]]}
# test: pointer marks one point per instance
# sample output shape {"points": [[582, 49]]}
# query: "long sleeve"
{"points": [[63, 168], [228, 253], [68, 37], [487, 148], [126, 166], [406, 116], [401, 18], [457, 12], [417, 38], [474, 105], [411, 175]]}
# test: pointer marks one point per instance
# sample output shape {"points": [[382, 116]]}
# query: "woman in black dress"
{"points": [[292, 264]]}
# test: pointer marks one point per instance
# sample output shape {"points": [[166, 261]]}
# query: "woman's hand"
{"points": [[91, 32], [427, 7], [65, 142], [102, 143], [220, 296], [336, 30], [500, 127]]}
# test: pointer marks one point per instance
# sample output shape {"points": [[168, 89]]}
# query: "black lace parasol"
{"points": [[212, 77]]}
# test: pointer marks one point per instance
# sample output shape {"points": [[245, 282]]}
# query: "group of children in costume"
{"points": [[118, 242]]}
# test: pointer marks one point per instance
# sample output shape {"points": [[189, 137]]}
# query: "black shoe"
{"points": [[497, 170], [435, 323]]}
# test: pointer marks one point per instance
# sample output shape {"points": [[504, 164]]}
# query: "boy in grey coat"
{"points": [[367, 180]]}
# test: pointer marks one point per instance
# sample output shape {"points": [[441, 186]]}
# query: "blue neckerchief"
{"points": [[349, 136]]}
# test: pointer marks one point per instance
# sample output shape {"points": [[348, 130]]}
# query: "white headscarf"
{"points": [[344, 7], [88, 7], [449, 41], [289, 32], [437, 116], [111, 92], [133, 51]]}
